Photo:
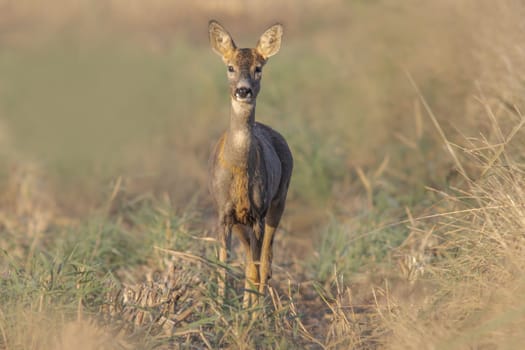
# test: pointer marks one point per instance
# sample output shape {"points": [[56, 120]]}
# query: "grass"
{"points": [[404, 226]]}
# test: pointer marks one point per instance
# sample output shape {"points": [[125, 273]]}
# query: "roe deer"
{"points": [[251, 164]]}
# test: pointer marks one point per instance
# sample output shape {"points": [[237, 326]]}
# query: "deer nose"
{"points": [[243, 92]]}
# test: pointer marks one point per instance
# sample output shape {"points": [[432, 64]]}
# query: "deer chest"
{"points": [[247, 197]]}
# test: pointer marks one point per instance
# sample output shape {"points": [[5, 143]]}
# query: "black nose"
{"points": [[243, 92]]}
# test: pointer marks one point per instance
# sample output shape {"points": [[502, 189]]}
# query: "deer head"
{"points": [[244, 66]]}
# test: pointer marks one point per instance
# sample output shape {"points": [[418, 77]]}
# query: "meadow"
{"points": [[404, 227]]}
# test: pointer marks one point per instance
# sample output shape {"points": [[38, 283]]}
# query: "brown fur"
{"points": [[239, 187], [251, 165]]}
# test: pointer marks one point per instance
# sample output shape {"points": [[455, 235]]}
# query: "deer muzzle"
{"points": [[243, 93]]}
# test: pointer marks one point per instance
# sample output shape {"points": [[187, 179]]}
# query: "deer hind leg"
{"points": [[272, 221], [265, 268], [225, 281]]}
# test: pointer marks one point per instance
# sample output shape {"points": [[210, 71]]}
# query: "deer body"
{"points": [[251, 164]]}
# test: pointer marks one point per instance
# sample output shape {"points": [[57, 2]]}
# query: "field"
{"points": [[405, 223]]}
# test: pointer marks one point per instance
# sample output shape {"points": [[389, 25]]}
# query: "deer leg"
{"points": [[251, 286], [265, 268], [272, 221], [225, 237], [251, 283], [256, 240]]}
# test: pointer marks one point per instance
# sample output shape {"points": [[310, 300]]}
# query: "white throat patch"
{"points": [[240, 107], [240, 139]]}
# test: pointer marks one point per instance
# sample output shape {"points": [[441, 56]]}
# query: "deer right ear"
{"points": [[270, 42], [220, 40]]}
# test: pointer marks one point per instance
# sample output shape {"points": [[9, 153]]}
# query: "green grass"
{"points": [[74, 273], [347, 248]]}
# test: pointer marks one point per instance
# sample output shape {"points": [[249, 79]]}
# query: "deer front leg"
{"points": [[225, 282], [251, 271]]}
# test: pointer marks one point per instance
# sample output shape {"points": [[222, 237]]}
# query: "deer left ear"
{"points": [[220, 40], [270, 42]]}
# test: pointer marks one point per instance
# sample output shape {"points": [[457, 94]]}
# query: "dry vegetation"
{"points": [[405, 226]]}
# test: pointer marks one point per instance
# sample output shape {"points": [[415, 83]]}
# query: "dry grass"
{"points": [[460, 282], [476, 278]]}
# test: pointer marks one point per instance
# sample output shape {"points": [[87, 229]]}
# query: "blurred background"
{"points": [[124, 100], [93, 91]]}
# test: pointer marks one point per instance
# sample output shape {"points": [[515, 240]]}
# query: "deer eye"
{"points": [[258, 69], [231, 69]]}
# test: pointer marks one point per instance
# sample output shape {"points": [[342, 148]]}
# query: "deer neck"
{"points": [[239, 141]]}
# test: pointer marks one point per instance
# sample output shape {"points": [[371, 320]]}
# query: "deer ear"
{"points": [[220, 40], [270, 42]]}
